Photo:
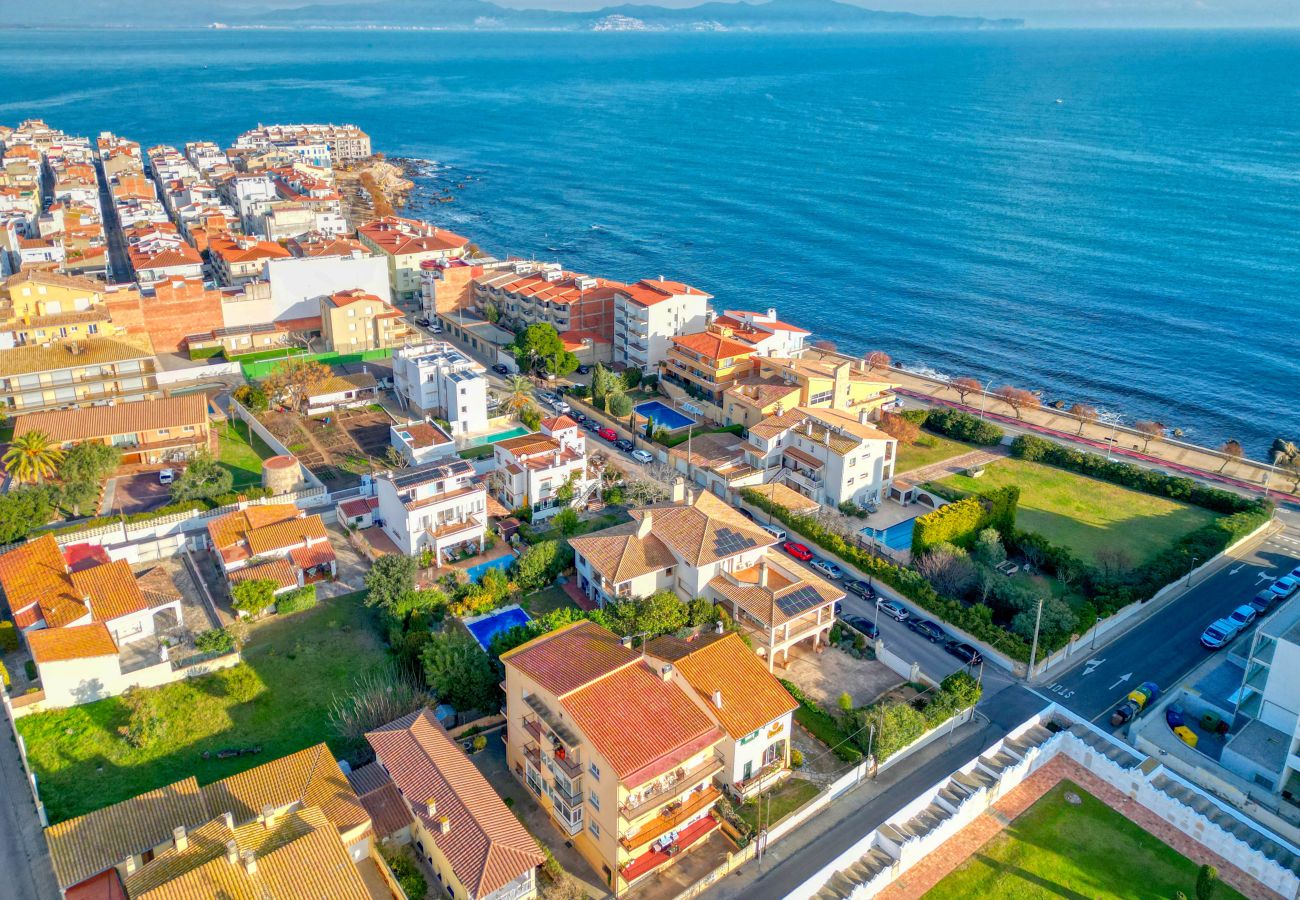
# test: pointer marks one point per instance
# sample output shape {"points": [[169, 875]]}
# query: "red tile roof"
{"points": [[565, 660], [315, 555], [399, 236], [76, 642], [712, 345], [648, 292], [241, 250]]}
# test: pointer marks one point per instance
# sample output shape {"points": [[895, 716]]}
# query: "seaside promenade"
{"points": [[1103, 437]]}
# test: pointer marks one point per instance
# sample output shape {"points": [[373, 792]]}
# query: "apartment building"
{"points": [[767, 333], [353, 321], [649, 314], [616, 752], [706, 364], [156, 262], [171, 428], [78, 373], [545, 471], [289, 827], [39, 307], [776, 384], [449, 814], [344, 143], [728, 681], [699, 546], [275, 541], [1265, 750], [528, 293], [438, 506], [440, 381], [239, 260], [828, 455], [405, 244]]}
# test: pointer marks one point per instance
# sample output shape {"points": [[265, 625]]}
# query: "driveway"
{"points": [[139, 492]]}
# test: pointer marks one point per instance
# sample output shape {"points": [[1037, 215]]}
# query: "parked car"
{"points": [[500, 369], [1295, 573], [797, 550], [927, 629], [892, 608], [1263, 600], [578, 417], [862, 624], [827, 568], [861, 588], [964, 652], [1242, 616], [591, 425], [1218, 634], [746, 513], [561, 407], [643, 456], [166, 476], [608, 434], [623, 444], [584, 369], [777, 533], [423, 321], [435, 327], [1285, 586]]}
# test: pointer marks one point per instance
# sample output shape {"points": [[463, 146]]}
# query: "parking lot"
{"points": [[137, 492]]}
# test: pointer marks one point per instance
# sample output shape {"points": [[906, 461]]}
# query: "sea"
{"points": [[1107, 217]]}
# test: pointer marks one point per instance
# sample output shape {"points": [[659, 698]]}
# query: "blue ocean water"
{"points": [[1134, 246]]}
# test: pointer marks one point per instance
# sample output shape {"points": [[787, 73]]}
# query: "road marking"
{"points": [[1119, 681], [1263, 576], [1236, 570], [1091, 666], [1060, 689]]}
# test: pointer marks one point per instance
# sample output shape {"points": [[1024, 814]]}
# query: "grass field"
{"points": [[928, 450], [277, 700], [785, 798], [547, 600], [242, 452], [1085, 514], [1055, 849]]}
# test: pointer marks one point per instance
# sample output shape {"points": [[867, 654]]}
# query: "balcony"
{"points": [[661, 792], [662, 824], [558, 728], [534, 727], [811, 482], [572, 768], [533, 754]]}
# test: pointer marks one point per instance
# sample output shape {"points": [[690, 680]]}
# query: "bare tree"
{"points": [[1150, 431], [878, 359], [1018, 399], [828, 346], [1231, 450], [899, 428], [1084, 413], [966, 385], [1113, 561], [949, 571]]}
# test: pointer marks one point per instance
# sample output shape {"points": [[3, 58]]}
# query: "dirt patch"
{"points": [[824, 676]]}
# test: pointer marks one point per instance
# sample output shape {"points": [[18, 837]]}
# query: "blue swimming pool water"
{"points": [[501, 562], [499, 436], [895, 537], [663, 416], [485, 629]]}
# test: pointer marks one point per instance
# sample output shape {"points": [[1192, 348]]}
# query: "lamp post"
{"points": [[1190, 571], [1033, 650], [1110, 445]]}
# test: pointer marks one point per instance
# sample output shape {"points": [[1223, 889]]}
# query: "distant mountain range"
{"points": [[774, 15]]}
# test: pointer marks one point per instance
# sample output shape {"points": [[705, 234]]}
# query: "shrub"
{"points": [[540, 564], [407, 872], [822, 725], [4, 676], [29, 666], [959, 523], [845, 702], [296, 600], [241, 683], [214, 640], [963, 427], [479, 743], [8, 636], [796, 758], [145, 724], [252, 598]]}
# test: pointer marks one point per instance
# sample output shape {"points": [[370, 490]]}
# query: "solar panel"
{"points": [[727, 541], [802, 600]]}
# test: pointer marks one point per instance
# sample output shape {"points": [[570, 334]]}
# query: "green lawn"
{"points": [[547, 600], [1059, 850], [293, 667], [785, 798], [928, 450], [242, 452], [1085, 514]]}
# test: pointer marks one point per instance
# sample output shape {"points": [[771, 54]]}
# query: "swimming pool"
{"points": [[501, 562], [896, 537], [663, 416], [499, 436], [487, 626]]}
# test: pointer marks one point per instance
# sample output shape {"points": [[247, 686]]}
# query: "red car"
{"points": [[608, 434], [798, 551]]}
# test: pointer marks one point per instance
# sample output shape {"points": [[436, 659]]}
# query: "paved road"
{"points": [[24, 860], [1166, 647], [119, 262]]}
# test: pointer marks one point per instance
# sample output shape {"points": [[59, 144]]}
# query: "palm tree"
{"points": [[519, 393], [32, 457]]}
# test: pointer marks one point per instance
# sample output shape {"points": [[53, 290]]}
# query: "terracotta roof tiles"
{"points": [[751, 696], [75, 642], [68, 425]]}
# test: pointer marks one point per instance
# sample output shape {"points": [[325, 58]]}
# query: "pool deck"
{"points": [[428, 577]]}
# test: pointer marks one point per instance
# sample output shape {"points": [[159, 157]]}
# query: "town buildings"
{"points": [[344, 143], [405, 244], [421, 442], [38, 307], [239, 260], [353, 321], [275, 541], [437, 380], [82, 372], [706, 363], [777, 384], [649, 314], [171, 428], [438, 506], [545, 471], [577, 306], [342, 390], [767, 333]]}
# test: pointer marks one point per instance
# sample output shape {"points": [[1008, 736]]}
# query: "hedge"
{"points": [[249, 493], [8, 636], [822, 725], [697, 432], [959, 522], [974, 620], [962, 427], [296, 600]]}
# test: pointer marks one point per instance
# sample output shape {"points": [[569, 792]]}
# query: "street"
{"points": [[24, 859]]}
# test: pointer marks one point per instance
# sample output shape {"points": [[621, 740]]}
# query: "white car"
{"points": [[642, 456], [1285, 586], [166, 476]]}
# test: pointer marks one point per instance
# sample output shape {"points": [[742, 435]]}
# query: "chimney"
{"points": [[643, 527], [129, 865], [679, 489], [268, 816], [229, 819], [431, 808], [232, 852], [626, 642], [762, 573], [863, 415], [250, 862], [666, 672], [180, 838], [717, 627], [717, 699], [444, 825], [771, 312]]}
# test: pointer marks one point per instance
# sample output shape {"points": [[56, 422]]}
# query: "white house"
{"points": [[421, 442], [649, 314], [438, 506], [769, 335], [275, 541], [294, 287], [532, 468], [437, 379], [345, 391]]}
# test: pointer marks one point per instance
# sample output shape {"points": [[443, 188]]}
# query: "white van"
{"points": [[774, 531]]}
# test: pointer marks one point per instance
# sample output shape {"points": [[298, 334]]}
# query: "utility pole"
{"points": [[1033, 651], [1190, 571]]}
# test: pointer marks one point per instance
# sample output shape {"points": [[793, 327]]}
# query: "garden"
{"points": [[1070, 844], [242, 453], [276, 702], [926, 450]]}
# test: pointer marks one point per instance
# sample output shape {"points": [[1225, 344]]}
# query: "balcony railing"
{"points": [[812, 482], [661, 825], [661, 793]]}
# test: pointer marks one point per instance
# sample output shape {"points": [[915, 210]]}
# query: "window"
{"points": [[594, 801], [351, 313], [853, 461], [820, 397], [594, 770], [850, 481], [593, 828]]}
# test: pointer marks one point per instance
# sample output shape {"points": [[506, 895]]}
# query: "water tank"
{"points": [[281, 474]]}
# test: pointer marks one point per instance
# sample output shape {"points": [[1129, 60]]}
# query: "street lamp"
{"points": [[1190, 571], [1033, 651]]}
